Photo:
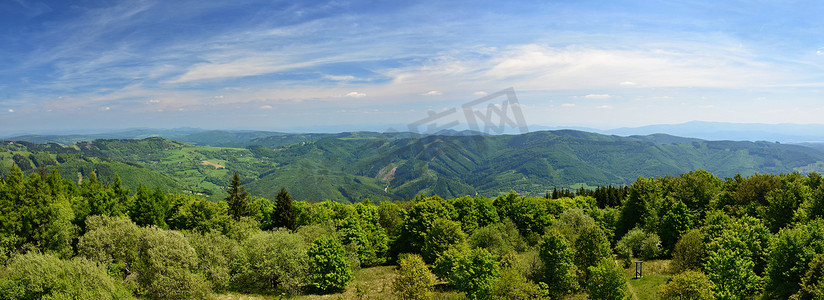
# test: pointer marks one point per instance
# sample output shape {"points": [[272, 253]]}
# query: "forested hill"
{"points": [[353, 166]]}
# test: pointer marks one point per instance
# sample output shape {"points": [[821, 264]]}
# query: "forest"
{"points": [[700, 236]]}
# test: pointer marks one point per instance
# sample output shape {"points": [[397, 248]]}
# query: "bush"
{"points": [[607, 281], [413, 280], [624, 254], [688, 285], [651, 247], [634, 239], [329, 269], [514, 286], [689, 253], [272, 261], [43, 276], [216, 253], [166, 264]]}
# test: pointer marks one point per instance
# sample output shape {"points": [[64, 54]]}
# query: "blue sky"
{"points": [[322, 66]]}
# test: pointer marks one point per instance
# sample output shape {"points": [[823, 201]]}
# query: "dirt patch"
{"points": [[207, 163], [387, 175]]}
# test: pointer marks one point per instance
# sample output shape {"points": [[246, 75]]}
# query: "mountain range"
{"points": [[351, 166]]}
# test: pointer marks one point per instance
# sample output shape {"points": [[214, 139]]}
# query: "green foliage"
{"points": [[43, 276], [166, 266], [419, 221], [515, 286], [413, 280], [624, 254], [475, 273], [218, 255], [782, 203], [443, 235], [644, 245], [148, 207], [812, 286], [240, 204], [498, 239], [559, 270], [688, 285], [689, 253], [273, 261], [196, 214], [732, 274], [607, 281], [677, 219], [790, 256], [284, 213], [590, 248], [328, 268], [641, 207]]}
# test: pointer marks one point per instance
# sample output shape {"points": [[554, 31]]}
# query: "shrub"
{"points": [[413, 280], [624, 254], [166, 264], [607, 281], [272, 261], [651, 247], [215, 252], [329, 269], [43, 276], [688, 285], [689, 253], [514, 286]]}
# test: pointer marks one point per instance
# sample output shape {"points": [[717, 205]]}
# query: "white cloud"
{"points": [[11, 110], [480, 93], [339, 77], [265, 107], [598, 96], [604, 107], [432, 93], [153, 101], [105, 108], [568, 105], [356, 94], [708, 106], [628, 83]]}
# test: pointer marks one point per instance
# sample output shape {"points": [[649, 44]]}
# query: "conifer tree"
{"points": [[284, 214], [238, 199]]}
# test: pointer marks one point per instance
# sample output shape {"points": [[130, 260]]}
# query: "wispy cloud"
{"points": [[598, 96]]}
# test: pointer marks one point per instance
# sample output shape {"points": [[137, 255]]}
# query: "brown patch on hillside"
{"points": [[208, 163]]}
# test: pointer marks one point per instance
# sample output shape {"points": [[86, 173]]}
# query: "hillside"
{"points": [[353, 166]]}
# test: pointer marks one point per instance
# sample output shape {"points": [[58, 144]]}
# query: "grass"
{"points": [[370, 283], [655, 273]]}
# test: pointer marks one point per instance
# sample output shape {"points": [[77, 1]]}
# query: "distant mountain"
{"points": [[351, 166], [783, 133]]}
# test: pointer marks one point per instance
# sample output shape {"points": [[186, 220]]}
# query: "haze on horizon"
{"points": [[281, 65]]}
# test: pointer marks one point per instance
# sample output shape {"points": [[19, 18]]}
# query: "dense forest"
{"points": [[347, 167], [733, 238]]}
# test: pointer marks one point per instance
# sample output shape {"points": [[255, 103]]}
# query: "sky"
{"points": [[335, 65]]}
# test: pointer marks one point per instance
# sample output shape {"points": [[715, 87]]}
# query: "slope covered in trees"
{"points": [[348, 167]]}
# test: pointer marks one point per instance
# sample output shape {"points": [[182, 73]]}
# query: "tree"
{"points": [[559, 269], [689, 253], [590, 248], [730, 270], [238, 199], [688, 285], [476, 273], [607, 281], [148, 207], [328, 267], [273, 261], [790, 254], [676, 220], [441, 236], [284, 214], [412, 279], [812, 286]]}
